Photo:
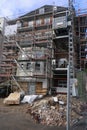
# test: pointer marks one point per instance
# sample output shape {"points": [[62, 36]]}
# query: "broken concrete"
{"points": [[52, 111]]}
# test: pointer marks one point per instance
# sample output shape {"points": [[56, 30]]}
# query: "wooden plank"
{"points": [[42, 90], [13, 98]]}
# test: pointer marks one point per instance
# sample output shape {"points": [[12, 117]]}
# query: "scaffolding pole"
{"points": [[68, 98], [70, 71]]}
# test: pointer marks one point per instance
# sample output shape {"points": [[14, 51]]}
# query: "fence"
{"points": [[82, 84]]}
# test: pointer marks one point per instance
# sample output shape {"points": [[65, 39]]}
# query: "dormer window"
{"points": [[41, 11]]}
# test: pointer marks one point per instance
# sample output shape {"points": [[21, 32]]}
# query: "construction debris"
{"points": [[52, 110], [13, 98], [30, 98]]}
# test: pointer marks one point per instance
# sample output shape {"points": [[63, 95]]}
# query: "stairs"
{"points": [[15, 83]]}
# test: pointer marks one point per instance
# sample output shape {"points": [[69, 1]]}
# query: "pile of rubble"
{"points": [[52, 110]]}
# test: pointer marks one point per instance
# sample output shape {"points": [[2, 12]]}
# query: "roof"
{"points": [[47, 8]]}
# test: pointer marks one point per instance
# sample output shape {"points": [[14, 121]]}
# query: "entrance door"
{"points": [[31, 88]]}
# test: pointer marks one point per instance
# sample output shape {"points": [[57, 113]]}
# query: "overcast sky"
{"points": [[10, 8]]}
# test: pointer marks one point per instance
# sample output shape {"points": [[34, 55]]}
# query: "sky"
{"points": [[14, 8]]}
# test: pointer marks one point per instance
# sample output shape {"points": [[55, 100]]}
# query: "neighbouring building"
{"points": [[82, 38]]}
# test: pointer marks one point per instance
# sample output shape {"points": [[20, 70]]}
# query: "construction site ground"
{"points": [[16, 117]]}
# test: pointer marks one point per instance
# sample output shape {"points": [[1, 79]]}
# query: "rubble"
{"points": [[52, 110]]}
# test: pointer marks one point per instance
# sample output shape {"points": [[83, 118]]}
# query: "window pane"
{"points": [[28, 66], [22, 66], [37, 66]]}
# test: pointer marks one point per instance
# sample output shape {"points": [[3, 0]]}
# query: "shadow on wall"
{"points": [[5, 91]]}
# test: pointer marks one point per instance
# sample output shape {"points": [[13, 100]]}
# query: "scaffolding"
{"points": [[82, 34], [41, 37], [60, 27], [26, 52], [8, 66]]}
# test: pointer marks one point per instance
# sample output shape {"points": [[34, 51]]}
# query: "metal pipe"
{"points": [[68, 98]]}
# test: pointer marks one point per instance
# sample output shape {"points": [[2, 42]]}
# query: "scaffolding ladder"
{"points": [[71, 65], [71, 57]]}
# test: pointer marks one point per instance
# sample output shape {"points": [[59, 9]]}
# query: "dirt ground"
{"points": [[15, 117]]}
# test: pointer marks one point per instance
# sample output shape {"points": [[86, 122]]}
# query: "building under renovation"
{"points": [[81, 32], [36, 49]]}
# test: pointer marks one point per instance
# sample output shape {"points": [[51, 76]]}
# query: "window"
{"points": [[22, 66], [31, 23], [41, 11], [47, 20], [37, 66], [39, 54], [86, 56], [28, 66], [85, 33], [38, 22], [85, 47]]}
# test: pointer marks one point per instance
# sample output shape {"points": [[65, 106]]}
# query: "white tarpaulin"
{"points": [[30, 98], [10, 30]]}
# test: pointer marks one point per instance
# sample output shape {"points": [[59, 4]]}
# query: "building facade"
{"points": [[36, 50]]}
